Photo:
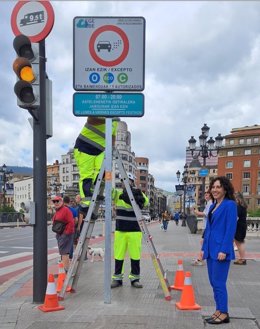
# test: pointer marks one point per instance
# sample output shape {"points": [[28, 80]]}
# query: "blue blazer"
{"points": [[220, 231]]}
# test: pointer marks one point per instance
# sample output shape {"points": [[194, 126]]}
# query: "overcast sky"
{"points": [[202, 65]]}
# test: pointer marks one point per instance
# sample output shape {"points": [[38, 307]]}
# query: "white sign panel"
{"points": [[108, 53]]}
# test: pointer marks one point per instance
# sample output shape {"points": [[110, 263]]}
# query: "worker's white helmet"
{"points": [[130, 176]]}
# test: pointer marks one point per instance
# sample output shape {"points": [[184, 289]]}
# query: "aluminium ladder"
{"points": [[73, 274]]}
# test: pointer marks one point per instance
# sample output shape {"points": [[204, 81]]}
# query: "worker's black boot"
{"points": [[136, 284], [116, 283]]}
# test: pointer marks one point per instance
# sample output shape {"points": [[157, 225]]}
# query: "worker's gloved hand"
{"points": [[138, 196], [125, 197]]}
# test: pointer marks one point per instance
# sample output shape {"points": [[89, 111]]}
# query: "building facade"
{"points": [[239, 160], [123, 145], [23, 192]]}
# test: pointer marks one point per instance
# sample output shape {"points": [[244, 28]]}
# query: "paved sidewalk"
{"points": [[145, 308]]}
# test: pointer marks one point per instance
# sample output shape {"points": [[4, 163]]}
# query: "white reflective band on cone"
{"points": [[51, 289], [187, 281]]}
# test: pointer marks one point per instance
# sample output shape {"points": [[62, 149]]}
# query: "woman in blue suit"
{"points": [[217, 247]]}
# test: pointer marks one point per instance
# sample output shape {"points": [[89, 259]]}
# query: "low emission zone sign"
{"points": [[108, 53], [107, 105]]}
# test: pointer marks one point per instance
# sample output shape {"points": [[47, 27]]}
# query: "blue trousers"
{"points": [[165, 225], [218, 274]]}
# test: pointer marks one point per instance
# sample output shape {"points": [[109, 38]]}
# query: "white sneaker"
{"points": [[197, 262]]}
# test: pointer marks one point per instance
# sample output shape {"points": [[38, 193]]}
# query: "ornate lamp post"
{"points": [[205, 150], [56, 186], [184, 180], [6, 174]]}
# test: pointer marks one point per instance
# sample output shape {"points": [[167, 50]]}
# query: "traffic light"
{"points": [[26, 67]]}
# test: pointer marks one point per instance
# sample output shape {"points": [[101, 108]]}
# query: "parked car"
{"points": [[146, 216]]}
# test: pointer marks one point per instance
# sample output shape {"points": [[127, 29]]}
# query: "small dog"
{"points": [[96, 252]]}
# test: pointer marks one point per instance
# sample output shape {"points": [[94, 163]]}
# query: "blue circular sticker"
{"points": [[94, 77]]}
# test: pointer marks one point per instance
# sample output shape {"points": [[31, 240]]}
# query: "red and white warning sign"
{"points": [[34, 19], [109, 53]]}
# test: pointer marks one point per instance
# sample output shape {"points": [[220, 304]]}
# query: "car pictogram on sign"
{"points": [[104, 45], [32, 18]]}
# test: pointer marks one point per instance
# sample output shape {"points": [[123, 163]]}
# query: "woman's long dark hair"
{"points": [[240, 199], [226, 184]]}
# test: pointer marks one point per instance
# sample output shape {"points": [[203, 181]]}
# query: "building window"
{"points": [[247, 163], [247, 152], [258, 202], [231, 142], [248, 141], [256, 140], [229, 175], [143, 178], [230, 153], [242, 141], [258, 188], [246, 175], [229, 164], [124, 157], [246, 189]]}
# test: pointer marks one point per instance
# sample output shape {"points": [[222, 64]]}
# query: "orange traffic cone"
{"points": [[179, 277], [51, 299], [187, 301], [61, 277]]}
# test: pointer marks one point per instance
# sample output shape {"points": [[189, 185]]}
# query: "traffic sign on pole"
{"points": [[34, 19], [108, 104], [111, 57]]}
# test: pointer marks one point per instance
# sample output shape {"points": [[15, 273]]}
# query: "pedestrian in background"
{"points": [[64, 239], [241, 228], [67, 203], [165, 220], [176, 218], [217, 247], [128, 235], [209, 199]]}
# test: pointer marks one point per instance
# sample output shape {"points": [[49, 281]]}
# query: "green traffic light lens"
{"points": [[27, 95]]}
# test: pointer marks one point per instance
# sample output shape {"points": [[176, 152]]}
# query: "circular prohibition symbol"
{"points": [[93, 38]]}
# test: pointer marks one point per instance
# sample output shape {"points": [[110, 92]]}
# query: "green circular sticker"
{"points": [[122, 78]]}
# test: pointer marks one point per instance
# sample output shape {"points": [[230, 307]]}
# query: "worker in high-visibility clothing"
{"points": [[89, 155], [128, 235]]}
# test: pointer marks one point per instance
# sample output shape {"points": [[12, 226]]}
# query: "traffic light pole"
{"points": [[40, 247]]}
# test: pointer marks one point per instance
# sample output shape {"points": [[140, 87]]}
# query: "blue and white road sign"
{"points": [[108, 104], [203, 172]]}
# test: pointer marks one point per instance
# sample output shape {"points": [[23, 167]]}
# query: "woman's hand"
{"points": [[221, 256], [200, 257]]}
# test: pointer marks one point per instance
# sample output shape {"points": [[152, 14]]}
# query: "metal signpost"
{"points": [[35, 20], [108, 56]]}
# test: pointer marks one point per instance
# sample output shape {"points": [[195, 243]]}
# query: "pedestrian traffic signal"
{"points": [[26, 67]]}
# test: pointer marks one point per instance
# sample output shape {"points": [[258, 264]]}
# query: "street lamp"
{"points": [[205, 150], [56, 186], [6, 174], [179, 191], [184, 180]]}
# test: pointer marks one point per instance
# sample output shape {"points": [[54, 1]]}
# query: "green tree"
{"points": [[7, 209]]}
